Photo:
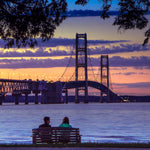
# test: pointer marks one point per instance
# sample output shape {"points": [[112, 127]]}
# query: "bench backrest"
{"points": [[56, 135]]}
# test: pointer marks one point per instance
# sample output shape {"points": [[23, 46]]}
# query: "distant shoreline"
{"points": [[91, 13], [96, 99]]}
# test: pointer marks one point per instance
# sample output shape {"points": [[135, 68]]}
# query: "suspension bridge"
{"points": [[52, 92]]}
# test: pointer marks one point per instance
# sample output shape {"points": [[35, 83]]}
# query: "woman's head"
{"points": [[66, 120]]}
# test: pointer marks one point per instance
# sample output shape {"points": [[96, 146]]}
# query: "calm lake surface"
{"points": [[106, 122]]}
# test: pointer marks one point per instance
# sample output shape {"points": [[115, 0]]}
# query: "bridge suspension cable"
{"points": [[71, 76], [110, 82], [92, 66], [69, 79], [98, 73], [66, 66]]}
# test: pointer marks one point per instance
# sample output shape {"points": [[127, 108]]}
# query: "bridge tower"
{"points": [[105, 75], [81, 65]]}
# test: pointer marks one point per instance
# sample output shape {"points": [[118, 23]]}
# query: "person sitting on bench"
{"points": [[46, 122], [65, 134], [65, 123], [45, 131]]}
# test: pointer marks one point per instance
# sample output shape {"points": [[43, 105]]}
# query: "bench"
{"points": [[56, 135]]}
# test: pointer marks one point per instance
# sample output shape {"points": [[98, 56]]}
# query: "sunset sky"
{"points": [[129, 60]]}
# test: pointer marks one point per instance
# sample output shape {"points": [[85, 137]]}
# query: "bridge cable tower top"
{"points": [[81, 64], [105, 74]]}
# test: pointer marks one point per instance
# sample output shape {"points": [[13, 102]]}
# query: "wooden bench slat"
{"points": [[56, 135]]}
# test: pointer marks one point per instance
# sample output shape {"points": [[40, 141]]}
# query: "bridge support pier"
{"points": [[26, 98], [1, 100], [65, 90], [36, 91], [36, 97], [16, 94], [26, 92], [2, 97], [66, 96], [77, 96], [101, 98], [16, 99]]}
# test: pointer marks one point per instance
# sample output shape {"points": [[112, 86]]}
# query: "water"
{"points": [[116, 122]]}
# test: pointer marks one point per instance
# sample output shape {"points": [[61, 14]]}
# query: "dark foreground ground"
{"points": [[82, 146], [69, 148]]}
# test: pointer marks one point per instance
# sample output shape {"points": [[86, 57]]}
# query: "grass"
{"points": [[112, 145]]}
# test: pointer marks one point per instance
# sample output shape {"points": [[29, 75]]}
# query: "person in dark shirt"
{"points": [[46, 122], [45, 131]]}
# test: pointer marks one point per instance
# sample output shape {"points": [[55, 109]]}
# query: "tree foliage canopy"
{"points": [[22, 21]]}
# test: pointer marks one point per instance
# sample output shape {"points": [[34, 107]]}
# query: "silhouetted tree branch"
{"points": [[23, 21], [131, 14]]}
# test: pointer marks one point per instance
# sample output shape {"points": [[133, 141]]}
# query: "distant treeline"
{"points": [[125, 97], [88, 13], [11, 99], [137, 98]]}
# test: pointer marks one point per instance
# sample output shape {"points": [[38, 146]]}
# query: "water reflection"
{"points": [[97, 122]]}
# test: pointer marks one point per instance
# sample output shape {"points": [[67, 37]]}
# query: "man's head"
{"points": [[46, 120]]}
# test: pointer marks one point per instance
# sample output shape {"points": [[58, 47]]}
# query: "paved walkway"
{"points": [[68, 148]]}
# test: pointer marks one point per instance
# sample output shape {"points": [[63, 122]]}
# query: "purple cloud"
{"points": [[129, 73], [134, 85], [99, 48], [133, 61], [118, 61], [122, 48], [66, 42], [40, 52], [34, 63], [115, 61]]}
